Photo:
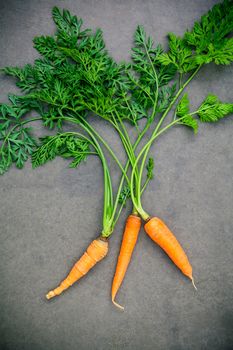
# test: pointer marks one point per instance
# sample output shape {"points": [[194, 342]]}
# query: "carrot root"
{"points": [[129, 240], [50, 295], [96, 251], [192, 279], [118, 305], [161, 234]]}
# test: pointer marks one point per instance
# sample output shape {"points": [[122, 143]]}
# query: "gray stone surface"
{"points": [[48, 216]]}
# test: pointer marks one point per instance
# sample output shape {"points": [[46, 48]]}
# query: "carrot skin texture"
{"points": [[161, 234], [129, 240], [95, 252]]}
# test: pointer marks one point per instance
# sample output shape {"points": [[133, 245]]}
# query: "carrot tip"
{"points": [[192, 279], [50, 295], [118, 305]]}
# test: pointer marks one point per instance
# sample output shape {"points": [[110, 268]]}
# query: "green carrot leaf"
{"points": [[212, 109], [210, 36], [15, 147], [179, 55], [150, 169], [189, 121], [183, 106], [149, 74], [165, 96], [124, 195], [182, 112], [65, 145]]}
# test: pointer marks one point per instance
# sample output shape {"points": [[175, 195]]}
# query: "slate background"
{"points": [[48, 216]]}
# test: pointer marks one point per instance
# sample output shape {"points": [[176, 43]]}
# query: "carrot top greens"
{"points": [[76, 80]]}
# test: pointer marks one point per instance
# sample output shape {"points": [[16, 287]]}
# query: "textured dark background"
{"points": [[48, 216]]}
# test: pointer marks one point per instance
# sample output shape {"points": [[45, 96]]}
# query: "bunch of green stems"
{"points": [[111, 207]]}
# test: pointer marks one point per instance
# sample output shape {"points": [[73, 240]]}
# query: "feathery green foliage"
{"points": [[16, 140], [182, 112], [212, 109], [210, 37], [150, 169], [183, 106], [180, 55], [207, 42], [76, 79], [16, 148], [62, 144], [148, 75], [124, 195]]}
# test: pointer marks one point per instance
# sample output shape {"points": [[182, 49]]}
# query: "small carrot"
{"points": [[160, 234], [96, 251], [129, 240]]}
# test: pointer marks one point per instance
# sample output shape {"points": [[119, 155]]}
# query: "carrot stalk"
{"points": [[96, 251], [129, 240], [160, 234]]}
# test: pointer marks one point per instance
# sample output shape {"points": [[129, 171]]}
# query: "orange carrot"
{"points": [[132, 228], [160, 234], [96, 251]]}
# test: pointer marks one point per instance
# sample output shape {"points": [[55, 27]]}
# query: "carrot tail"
{"points": [[132, 228], [194, 286], [96, 251], [160, 234], [118, 305]]}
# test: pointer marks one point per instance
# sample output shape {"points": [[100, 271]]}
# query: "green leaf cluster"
{"points": [[182, 112], [65, 145], [149, 77], [124, 195], [180, 55], [213, 110], [150, 169], [75, 73], [210, 37], [16, 141], [15, 147], [208, 41], [76, 77]]}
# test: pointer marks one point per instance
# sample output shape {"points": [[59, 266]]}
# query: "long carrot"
{"points": [[96, 251], [132, 228], [160, 234]]}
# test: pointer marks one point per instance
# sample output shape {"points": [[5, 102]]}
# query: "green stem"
{"points": [[137, 200], [146, 127], [90, 153], [137, 205], [138, 187], [145, 185], [107, 147], [140, 135], [108, 194], [180, 79], [108, 200], [123, 140], [130, 153], [118, 215], [93, 131]]}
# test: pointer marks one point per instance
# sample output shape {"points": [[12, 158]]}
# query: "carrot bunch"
{"points": [[75, 79]]}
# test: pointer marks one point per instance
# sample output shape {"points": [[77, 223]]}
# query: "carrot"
{"points": [[96, 251], [160, 234], [132, 228]]}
